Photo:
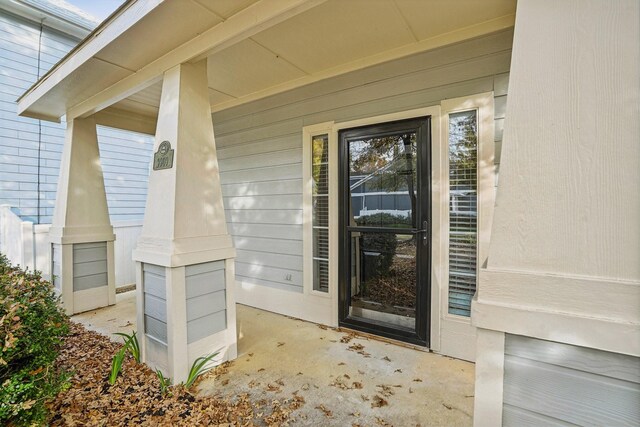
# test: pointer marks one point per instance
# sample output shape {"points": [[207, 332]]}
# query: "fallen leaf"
{"points": [[327, 412], [378, 402]]}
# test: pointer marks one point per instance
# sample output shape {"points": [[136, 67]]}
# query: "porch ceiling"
{"points": [[119, 66]]}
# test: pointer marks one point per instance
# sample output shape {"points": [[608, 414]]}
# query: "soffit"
{"points": [[330, 38], [159, 33]]}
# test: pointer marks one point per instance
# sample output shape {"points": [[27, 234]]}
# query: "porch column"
{"points": [[81, 235], [185, 256]]}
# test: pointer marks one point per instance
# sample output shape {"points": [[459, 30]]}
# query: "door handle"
{"points": [[425, 233]]}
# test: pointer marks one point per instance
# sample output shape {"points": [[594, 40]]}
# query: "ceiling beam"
{"points": [[255, 18], [126, 120]]}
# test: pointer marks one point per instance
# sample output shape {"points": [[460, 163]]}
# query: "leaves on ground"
{"points": [[326, 411], [378, 402], [358, 348], [135, 398]]}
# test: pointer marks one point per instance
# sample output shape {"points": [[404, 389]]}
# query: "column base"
{"points": [[186, 312], [83, 274]]}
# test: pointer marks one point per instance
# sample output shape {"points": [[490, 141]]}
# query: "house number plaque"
{"points": [[163, 158]]}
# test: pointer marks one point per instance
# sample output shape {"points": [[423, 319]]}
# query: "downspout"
{"points": [[39, 125]]}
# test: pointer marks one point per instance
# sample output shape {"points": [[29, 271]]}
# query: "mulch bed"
{"points": [[135, 398]]}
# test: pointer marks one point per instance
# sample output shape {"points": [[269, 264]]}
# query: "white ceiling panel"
{"points": [[217, 97], [337, 32], [247, 67], [155, 40], [434, 17], [137, 107], [226, 8], [150, 95]]}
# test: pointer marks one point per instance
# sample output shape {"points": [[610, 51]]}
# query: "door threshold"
{"points": [[379, 338]]}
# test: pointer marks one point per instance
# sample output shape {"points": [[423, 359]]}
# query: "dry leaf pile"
{"points": [[135, 398]]}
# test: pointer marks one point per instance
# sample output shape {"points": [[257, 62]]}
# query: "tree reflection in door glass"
{"points": [[383, 186]]}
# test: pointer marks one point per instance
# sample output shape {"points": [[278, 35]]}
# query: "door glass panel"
{"points": [[383, 285], [382, 228], [382, 180]]}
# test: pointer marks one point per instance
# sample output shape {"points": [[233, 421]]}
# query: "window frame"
{"points": [[308, 133], [483, 105]]}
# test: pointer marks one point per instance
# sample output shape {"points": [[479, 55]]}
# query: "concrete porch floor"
{"points": [[341, 377]]}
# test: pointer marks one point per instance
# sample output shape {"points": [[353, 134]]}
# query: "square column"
{"points": [[81, 236], [185, 256]]}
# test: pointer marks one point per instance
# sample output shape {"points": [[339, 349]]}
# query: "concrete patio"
{"points": [[344, 379]]}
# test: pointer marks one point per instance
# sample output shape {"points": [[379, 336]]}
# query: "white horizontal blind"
{"points": [[320, 202], [463, 213]]}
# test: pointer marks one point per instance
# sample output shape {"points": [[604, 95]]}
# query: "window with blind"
{"points": [[463, 210], [320, 213]]}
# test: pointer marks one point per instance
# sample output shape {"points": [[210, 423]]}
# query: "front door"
{"points": [[385, 243]]}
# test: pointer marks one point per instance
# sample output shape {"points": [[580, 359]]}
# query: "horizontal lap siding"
{"points": [[260, 143], [206, 300], [19, 40], [155, 302], [558, 384], [89, 266], [125, 156]]}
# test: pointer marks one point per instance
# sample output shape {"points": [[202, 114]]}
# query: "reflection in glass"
{"points": [[383, 186], [382, 179]]}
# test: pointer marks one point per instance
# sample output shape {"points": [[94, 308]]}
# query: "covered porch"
{"points": [[309, 151], [255, 213], [333, 370]]}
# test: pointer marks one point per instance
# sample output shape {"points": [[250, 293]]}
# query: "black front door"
{"points": [[385, 245]]}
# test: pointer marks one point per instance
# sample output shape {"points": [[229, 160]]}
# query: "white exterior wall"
{"points": [[260, 151], [563, 259], [125, 156]]}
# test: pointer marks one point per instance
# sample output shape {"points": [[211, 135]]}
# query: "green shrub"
{"points": [[32, 325], [383, 243]]}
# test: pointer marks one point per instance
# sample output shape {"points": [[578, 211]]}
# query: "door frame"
{"points": [[434, 309], [419, 335]]}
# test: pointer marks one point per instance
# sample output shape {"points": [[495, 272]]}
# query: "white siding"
{"points": [[30, 150], [89, 266], [260, 143], [155, 302], [206, 303], [548, 383]]}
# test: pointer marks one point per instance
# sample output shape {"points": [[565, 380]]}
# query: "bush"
{"points": [[32, 325], [383, 243]]}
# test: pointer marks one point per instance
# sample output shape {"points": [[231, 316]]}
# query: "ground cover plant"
{"points": [[32, 327]]}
